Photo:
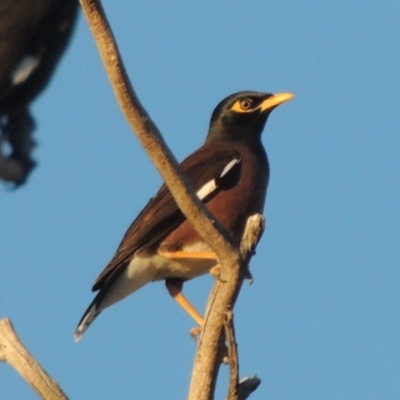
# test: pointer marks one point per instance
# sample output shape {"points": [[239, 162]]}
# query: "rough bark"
{"points": [[14, 353]]}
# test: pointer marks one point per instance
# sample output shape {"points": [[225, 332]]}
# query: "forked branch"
{"points": [[233, 261], [221, 300]]}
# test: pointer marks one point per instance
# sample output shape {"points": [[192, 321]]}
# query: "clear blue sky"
{"points": [[322, 319]]}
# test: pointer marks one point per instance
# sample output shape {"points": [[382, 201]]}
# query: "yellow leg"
{"points": [[174, 287]]}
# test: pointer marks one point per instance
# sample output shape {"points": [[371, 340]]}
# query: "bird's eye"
{"points": [[246, 104]]}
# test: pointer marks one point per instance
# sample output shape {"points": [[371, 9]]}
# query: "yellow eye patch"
{"points": [[243, 105]]}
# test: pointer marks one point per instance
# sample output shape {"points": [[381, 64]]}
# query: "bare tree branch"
{"points": [[234, 263], [149, 135], [13, 352], [222, 298]]}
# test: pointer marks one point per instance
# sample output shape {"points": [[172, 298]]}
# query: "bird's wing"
{"points": [[209, 169]]}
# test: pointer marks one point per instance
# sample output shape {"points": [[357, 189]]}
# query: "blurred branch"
{"points": [[233, 262], [13, 352], [16, 135]]}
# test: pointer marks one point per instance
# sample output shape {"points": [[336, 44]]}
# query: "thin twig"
{"points": [[223, 297], [14, 353], [233, 356]]}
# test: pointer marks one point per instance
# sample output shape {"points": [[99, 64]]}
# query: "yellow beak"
{"points": [[276, 100]]}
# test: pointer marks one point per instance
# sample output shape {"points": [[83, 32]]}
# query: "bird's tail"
{"points": [[88, 317], [123, 281]]}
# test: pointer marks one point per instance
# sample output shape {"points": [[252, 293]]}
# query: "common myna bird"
{"points": [[33, 37], [230, 174]]}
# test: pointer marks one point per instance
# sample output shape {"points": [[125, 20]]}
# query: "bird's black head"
{"points": [[242, 116]]}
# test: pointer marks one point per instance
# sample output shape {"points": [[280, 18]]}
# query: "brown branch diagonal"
{"points": [[14, 353], [149, 135], [234, 261]]}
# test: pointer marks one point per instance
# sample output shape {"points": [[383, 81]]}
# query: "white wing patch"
{"points": [[229, 166], [24, 69], [207, 189], [210, 186]]}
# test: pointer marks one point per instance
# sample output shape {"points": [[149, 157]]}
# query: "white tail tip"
{"points": [[89, 316]]}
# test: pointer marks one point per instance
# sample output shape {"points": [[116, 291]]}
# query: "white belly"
{"points": [[142, 270]]}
